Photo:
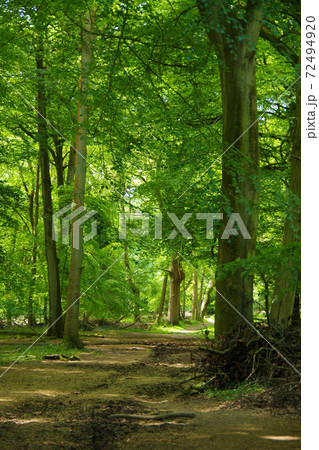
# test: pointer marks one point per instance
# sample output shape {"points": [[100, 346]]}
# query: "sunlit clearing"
{"points": [[281, 438]]}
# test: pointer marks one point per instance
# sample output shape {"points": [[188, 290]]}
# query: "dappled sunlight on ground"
{"points": [[281, 438], [24, 422], [71, 402], [60, 370]]}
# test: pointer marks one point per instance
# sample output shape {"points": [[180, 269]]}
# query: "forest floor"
{"points": [[68, 404]]}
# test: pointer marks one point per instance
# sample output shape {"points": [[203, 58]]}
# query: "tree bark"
{"points": [[134, 288], [58, 159], [129, 277], [71, 165], [71, 334], [201, 289], [195, 311], [184, 300], [34, 219], [206, 298], [55, 310], [162, 301], [288, 278], [236, 48], [266, 284], [176, 275]]}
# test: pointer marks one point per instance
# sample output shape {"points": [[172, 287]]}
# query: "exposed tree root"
{"points": [[245, 356]]}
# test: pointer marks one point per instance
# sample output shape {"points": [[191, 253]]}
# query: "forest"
{"points": [[150, 191]]}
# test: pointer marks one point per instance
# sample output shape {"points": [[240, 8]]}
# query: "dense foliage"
{"points": [[154, 145]]}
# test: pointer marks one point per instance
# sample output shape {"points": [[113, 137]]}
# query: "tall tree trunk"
{"points": [[195, 312], [34, 218], [288, 277], [162, 301], [58, 159], [71, 334], [71, 165], [240, 163], [201, 289], [65, 198], [129, 276], [176, 275], [55, 310], [206, 298], [184, 300], [134, 288], [9, 303]]}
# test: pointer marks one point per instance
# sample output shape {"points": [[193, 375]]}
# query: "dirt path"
{"points": [[67, 404]]}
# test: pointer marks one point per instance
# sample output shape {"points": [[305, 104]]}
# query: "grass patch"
{"points": [[36, 352], [182, 327], [167, 328], [241, 390], [19, 331]]}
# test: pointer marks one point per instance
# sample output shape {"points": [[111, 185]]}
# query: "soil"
{"points": [[68, 404]]}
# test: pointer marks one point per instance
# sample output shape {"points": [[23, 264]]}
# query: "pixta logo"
{"points": [[209, 218], [65, 223]]}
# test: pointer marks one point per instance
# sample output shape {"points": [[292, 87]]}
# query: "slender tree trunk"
{"points": [[134, 288], [34, 218], [184, 300], [195, 312], [45, 310], [58, 160], [240, 161], [55, 310], [65, 198], [9, 303], [201, 290], [177, 275], [288, 279], [71, 165], [162, 301], [266, 284], [71, 335], [129, 278], [206, 298]]}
